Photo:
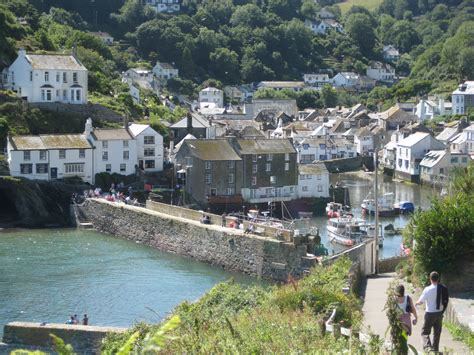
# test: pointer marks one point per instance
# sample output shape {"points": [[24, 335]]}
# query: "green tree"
{"points": [[248, 15], [466, 63], [329, 96], [226, 65], [359, 28], [404, 35]]}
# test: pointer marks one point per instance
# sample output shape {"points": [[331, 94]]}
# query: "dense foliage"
{"points": [[280, 319], [444, 234]]}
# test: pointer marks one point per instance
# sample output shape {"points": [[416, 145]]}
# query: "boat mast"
{"points": [[376, 212]]}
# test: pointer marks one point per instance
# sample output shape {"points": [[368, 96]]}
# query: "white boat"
{"points": [[385, 205], [346, 231], [334, 209]]}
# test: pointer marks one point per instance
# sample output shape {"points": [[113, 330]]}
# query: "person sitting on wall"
{"points": [[207, 219], [249, 229]]}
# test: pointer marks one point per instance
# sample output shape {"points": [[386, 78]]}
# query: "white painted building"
{"points": [[313, 180], [410, 151], [167, 6], [463, 98], [437, 166], [149, 147], [211, 97], [48, 78], [381, 72], [464, 141], [390, 53], [50, 157], [165, 71], [115, 149], [316, 80], [346, 80], [364, 141], [317, 149], [324, 26]]}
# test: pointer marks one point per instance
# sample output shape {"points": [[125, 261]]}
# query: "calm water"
{"points": [[359, 189], [47, 275]]}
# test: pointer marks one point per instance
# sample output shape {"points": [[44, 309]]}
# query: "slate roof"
{"points": [[136, 128], [312, 169], [110, 134], [197, 122], [50, 141], [211, 149], [447, 133], [282, 84], [265, 146], [55, 62], [413, 139], [251, 131], [166, 66]]}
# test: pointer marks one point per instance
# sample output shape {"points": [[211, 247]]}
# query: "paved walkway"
{"points": [[376, 321]]}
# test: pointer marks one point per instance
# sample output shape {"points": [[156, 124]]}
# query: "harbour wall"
{"points": [[260, 256], [84, 339]]}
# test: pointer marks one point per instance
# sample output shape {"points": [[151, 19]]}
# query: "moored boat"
{"points": [[334, 210], [385, 206], [346, 230], [404, 207]]}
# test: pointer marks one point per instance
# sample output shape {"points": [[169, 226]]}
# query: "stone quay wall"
{"points": [[83, 338], [362, 255], [259, 256]]}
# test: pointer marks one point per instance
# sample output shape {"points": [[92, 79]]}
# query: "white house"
{"points": [[364, 141], [48, 78], [311, 149], [409, 153], [139, 79], [51, 156], [437, 166], [168, 6], [313, 180], [463, 98], [165, 71], [381, 72], [324, 26], [211, 97], [464, 141], [115, 149], [149, 147], [316, 80], [239, 93], [104, 36], [390, 53], [346, 80]]}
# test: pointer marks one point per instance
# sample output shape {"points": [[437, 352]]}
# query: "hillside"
{"points": [[368, 4]]}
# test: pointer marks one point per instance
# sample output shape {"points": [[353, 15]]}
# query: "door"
{"points": [[54, 173], [140, 164]]}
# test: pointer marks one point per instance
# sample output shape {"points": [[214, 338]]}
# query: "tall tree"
{"points": [[360, 29]]}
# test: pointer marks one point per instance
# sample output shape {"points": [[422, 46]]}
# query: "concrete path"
{"points": [[375, 319]]}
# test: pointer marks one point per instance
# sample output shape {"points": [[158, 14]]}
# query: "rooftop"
{"points": [[211, 149], [413, 139], [197, 122], [136, 128], [282, 84], [312, 169], [265, 146], [106, 134], [166, 65], [50, 141], [56, 62]]}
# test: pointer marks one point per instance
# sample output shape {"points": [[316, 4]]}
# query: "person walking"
{"points": [[435, 297], [224, 215], [405, 303]]}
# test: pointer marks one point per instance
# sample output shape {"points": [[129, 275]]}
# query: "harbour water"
{"points": [[47, 275], [359, 189]]}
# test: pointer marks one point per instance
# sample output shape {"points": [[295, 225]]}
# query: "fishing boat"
{"points": [[385, 206], [346, 230], [264, 218], [334, 210], [404, 207]]}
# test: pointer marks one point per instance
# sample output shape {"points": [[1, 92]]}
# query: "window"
{"points": [[269, 167], [46, 95], [188, 161], [208, 179], [58, 77], [26, 155], [269, 157], [78, 95], [149, 140], [64, 94], [82, 153], [26, 168], [454, 160], [105, 144], [74, 78], [351, 155], [464, 159], [149, 164], [31, 76], [253, 193], [213, 192], [58, 93], [254, 180], [231, 178], [125, 144], [231, 164], [73, 168], [254, 168], [254, 158], [230, 191], [126, 155], [292, 189], [400, 163], [287, 156], [149, 152], [62, 154], [42, 155], [64, 77], [41, 168], [441, 170], [406, 164], [123, 167], [287, 166], [320, 188], [13, 77], [207, 165], [108, 168], [105, 156], [46, 76]]}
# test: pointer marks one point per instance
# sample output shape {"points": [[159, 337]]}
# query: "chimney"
{"points": [[189, 122], [441, 106], [422, 110], [88, 127], [21, 52]]}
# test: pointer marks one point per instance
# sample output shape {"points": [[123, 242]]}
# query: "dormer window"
{"points": [[46, 76]]}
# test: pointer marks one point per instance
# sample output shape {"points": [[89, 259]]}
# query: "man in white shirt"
{"points": [[433, 313]]}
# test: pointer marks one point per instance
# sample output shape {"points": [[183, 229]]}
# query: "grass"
{"points": [[461, 333], [369, 4]]}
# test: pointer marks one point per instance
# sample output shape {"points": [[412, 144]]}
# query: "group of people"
{"points": [[436, 298], [74, 319]]}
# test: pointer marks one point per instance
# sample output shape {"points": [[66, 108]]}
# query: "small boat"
{"points": [[389, 229], [404, 207], [334, 210], [264, 219], [346, 230], [385, 206]]}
